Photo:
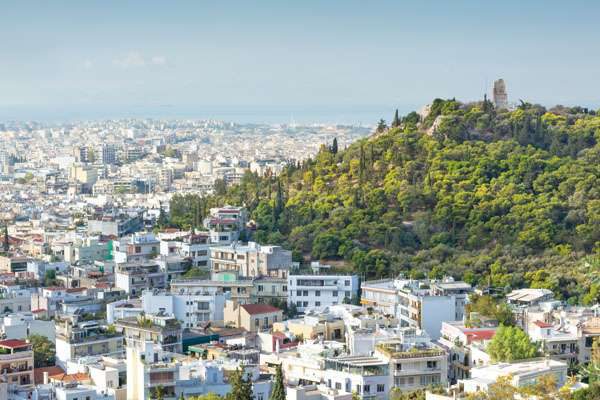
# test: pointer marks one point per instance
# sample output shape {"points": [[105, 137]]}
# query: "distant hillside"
{"points": [[495, 197]]}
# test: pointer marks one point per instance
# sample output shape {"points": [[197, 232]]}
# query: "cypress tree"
{"points": [[334, 146], [6, 244], [396, 120], [278, 391]]}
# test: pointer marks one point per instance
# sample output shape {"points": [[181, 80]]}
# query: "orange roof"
{"points": [[69, 378], [38, 373], [542, 324], [253, 309]]}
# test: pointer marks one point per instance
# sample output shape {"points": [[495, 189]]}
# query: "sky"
{"points": [[305, 59]]}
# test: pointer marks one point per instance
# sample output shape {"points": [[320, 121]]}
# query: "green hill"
{"points": [[498, 198]]}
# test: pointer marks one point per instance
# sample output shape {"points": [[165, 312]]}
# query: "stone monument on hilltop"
{"points": [[500, 96]]}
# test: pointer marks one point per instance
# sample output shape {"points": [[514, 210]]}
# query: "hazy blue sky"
{"points": [[139, 56]]}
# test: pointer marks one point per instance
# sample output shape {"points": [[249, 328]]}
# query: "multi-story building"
{"points": [[225, 224], [415, 362], [76, 340], [320, 291], [460, 290], [324, 326], [250, 260], [134, 278], [115, 224], [16, 362], [160, 329], [252, 317], [86, 250], [84, 175], [191, 308], [13, 263], [149, 367], [458, 340], [108, 153], [367, 376], [415, 303], [195, 247], [138, 247], [521, 374], [240, 291]]}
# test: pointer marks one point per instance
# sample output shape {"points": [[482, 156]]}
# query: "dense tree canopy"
{"points": [[510, 343], [499, 198]]}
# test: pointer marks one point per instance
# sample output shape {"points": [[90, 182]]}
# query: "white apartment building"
{"points": [[367, 376], [522, 374], [320, 291], [192, 309], [423, 304]]}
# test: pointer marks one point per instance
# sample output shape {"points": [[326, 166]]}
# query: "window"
{"points": [[347, 294], [305, 293], [317, 303], [338, 386], [305, 304], [358, 389], [285, 288], [398, 367], [328, 383], [275, 318], [335, 293], [266, 319], [346, 283], [317, 293], [367, 388], [431, 364], [298, 304], [257, 322], [298, 292], [380, 387], [260, 288], [260, 396]]}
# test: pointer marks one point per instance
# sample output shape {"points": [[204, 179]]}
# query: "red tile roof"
{"points": [[478, 336], [67, 378], [38, 373], [13, 343], [254, 309], [542, 324]]}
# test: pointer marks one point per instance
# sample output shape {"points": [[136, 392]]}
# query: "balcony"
{"points": [[416, 372]]}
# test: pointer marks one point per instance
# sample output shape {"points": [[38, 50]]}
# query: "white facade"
{"points": [[522, 374], [320, 291], [191, 309]]}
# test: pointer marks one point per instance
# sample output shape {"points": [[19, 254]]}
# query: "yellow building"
{"points": [[252, 317], [313, 326]]}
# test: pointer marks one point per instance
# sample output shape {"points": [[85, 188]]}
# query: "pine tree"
{"points": [[396, 120], [278, 391], [381, 126], [241, 389]]}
